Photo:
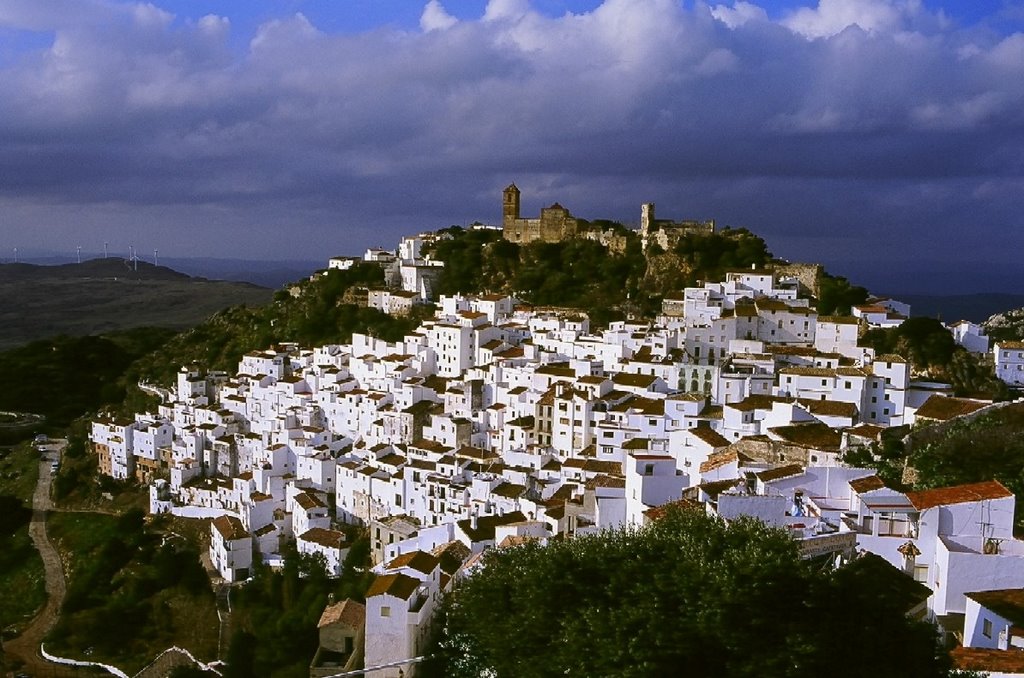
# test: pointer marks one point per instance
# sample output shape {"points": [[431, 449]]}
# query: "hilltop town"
{"points": [[496, 422]]}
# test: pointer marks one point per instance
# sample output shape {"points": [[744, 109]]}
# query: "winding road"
{"points": [[25, 648]]}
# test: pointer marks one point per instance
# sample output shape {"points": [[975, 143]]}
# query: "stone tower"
{"points": [[646, 217], [510, 205]]}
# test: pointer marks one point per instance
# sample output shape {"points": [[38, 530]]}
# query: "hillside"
{"points": [[106, 295]]}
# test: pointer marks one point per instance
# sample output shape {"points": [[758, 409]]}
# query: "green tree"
{"points": [[836, 296], [687, 595]]}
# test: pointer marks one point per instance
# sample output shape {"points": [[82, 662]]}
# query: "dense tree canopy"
{"points": [[582, 273], [688, 595], [836, 296]]}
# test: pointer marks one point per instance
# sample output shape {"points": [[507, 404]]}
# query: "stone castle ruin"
{"points": [[666, 233], [556, 224]]}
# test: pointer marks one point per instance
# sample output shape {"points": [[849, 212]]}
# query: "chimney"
{"points": [[472, 519]]}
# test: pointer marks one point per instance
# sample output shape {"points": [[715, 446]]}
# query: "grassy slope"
{"points": [[22, 583], [45, 301], [110, 628]]}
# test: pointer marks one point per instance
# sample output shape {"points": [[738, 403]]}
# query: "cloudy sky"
{"points": [[867, 134]]}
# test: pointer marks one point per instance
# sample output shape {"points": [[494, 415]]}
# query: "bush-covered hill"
{"points": [[321, 310], [65, 377], [584, 274]]}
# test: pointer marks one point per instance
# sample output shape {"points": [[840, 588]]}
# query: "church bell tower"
{"points": [[510, 204]]}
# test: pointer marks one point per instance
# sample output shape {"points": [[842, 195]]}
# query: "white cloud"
{"points": [[506, 10], [214, 26], [834, 16], [436, 18], [740, 13]]}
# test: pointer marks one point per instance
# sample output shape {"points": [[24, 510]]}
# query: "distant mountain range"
{"points": [[103, 295], [950, 308]]}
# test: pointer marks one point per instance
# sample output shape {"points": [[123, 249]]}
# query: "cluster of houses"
{"points": [[496, 422]]}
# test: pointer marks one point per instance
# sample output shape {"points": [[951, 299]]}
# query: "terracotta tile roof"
{"points": [[604, 480], [421, 561], [478, 453], [637, 380], [867, 484], [1007, 603], [709, 436], [871, 431], [808, 371], [755, 402], [944, 408], [959, 494], [332, 539], [814, 436], [984, 659], [484, 530], [718, 460], [779, 472], [308, 501], [395, 584], [509, 490], [658, 512], [826, 408], [451, 555], [230, 527], [347, 613]]}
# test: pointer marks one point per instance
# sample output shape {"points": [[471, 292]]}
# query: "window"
{"points": [[986, 628], [385, 611], [848, 385]]}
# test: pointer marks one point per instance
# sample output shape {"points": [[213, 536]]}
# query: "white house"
{"points": [[965, 538], [399, 609], [1008, 357], [230, 548], [970, 335], [331, 544]]}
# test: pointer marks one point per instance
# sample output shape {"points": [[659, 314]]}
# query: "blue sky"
{"points": [[866, 134]]}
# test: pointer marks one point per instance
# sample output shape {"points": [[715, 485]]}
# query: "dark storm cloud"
{"points": [[853, 130]]}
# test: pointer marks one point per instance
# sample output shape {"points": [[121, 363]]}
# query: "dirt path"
{"points": [[25, 648]]}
